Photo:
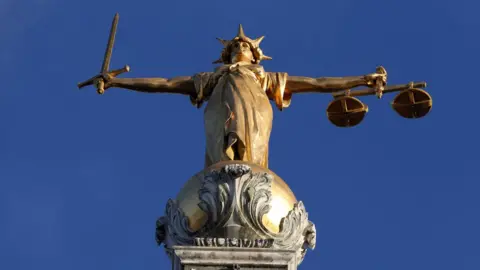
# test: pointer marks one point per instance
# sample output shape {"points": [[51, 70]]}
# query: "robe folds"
{"points": [[238, 116]]}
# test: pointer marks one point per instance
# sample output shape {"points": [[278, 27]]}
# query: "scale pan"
{"points": [[412, 103], [346, 111]]}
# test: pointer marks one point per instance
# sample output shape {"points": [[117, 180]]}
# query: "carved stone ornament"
{"points": [[233, 242], [235, 200]]}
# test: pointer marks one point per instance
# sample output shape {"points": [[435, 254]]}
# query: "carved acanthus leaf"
{"points": [[215, 198], [178, 229], [292, 227], [160, 232], [255, 199], [310, 236]]}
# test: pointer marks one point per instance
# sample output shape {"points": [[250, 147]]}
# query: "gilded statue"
{"points": [[238, 93]]}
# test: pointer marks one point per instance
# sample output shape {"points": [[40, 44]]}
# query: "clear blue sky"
{"points": [[83, 177]]}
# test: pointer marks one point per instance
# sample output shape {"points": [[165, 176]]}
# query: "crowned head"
{"points": [[242, 49]]}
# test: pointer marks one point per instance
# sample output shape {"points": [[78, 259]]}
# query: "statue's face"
{"points": [[241, 52]]}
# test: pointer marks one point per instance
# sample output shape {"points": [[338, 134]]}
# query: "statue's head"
{"points": [[242, 49], [241, 52]]}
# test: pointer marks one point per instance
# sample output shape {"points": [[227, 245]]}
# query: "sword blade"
{"points": [[111, 40]]}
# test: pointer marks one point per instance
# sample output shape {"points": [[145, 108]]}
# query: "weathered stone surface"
{"points": [[215, 258], [233, 242], [247, 267]]}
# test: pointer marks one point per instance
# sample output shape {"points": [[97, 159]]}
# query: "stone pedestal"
{"points": [[215, 258], [235, 214]]}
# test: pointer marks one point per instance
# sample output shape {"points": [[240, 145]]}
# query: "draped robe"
{"points": [[238, 116]]}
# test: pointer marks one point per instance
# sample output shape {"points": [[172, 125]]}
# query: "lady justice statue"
{"points": [[238, 115], [236, 197]]}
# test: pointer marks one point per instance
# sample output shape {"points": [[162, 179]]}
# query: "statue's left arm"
{"points": [[280, 86], [298, 84]]}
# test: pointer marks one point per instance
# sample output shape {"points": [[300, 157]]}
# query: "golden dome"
{"points": [[282, 200]]}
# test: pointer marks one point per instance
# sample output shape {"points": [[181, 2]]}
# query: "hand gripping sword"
{"points": [[98, 80]]}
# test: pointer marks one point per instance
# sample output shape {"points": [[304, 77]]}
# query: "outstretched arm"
{"points": [[298, 84], [178, 85]]}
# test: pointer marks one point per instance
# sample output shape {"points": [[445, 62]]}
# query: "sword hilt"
{"points": [[100, 80], [116, 72], [100, 86]]}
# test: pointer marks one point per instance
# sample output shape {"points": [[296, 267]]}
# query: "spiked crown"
{"points": [[254, 45]]}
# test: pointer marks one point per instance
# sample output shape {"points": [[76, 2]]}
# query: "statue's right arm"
{"points": [[178, 85]]}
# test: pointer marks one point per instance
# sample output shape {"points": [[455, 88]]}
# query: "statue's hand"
{"points": [[378, 80], [103, 81], [372, 79]]}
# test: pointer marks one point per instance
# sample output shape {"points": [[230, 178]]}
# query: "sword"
{"points": [[98, 80]]}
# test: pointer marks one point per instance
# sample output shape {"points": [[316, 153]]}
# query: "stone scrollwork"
{"points": [[292, 227], [254, 201], [173, 228], [234, 196], [297, 231], [160, 231], [236, 170], [310, 236], [216, 196]]}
